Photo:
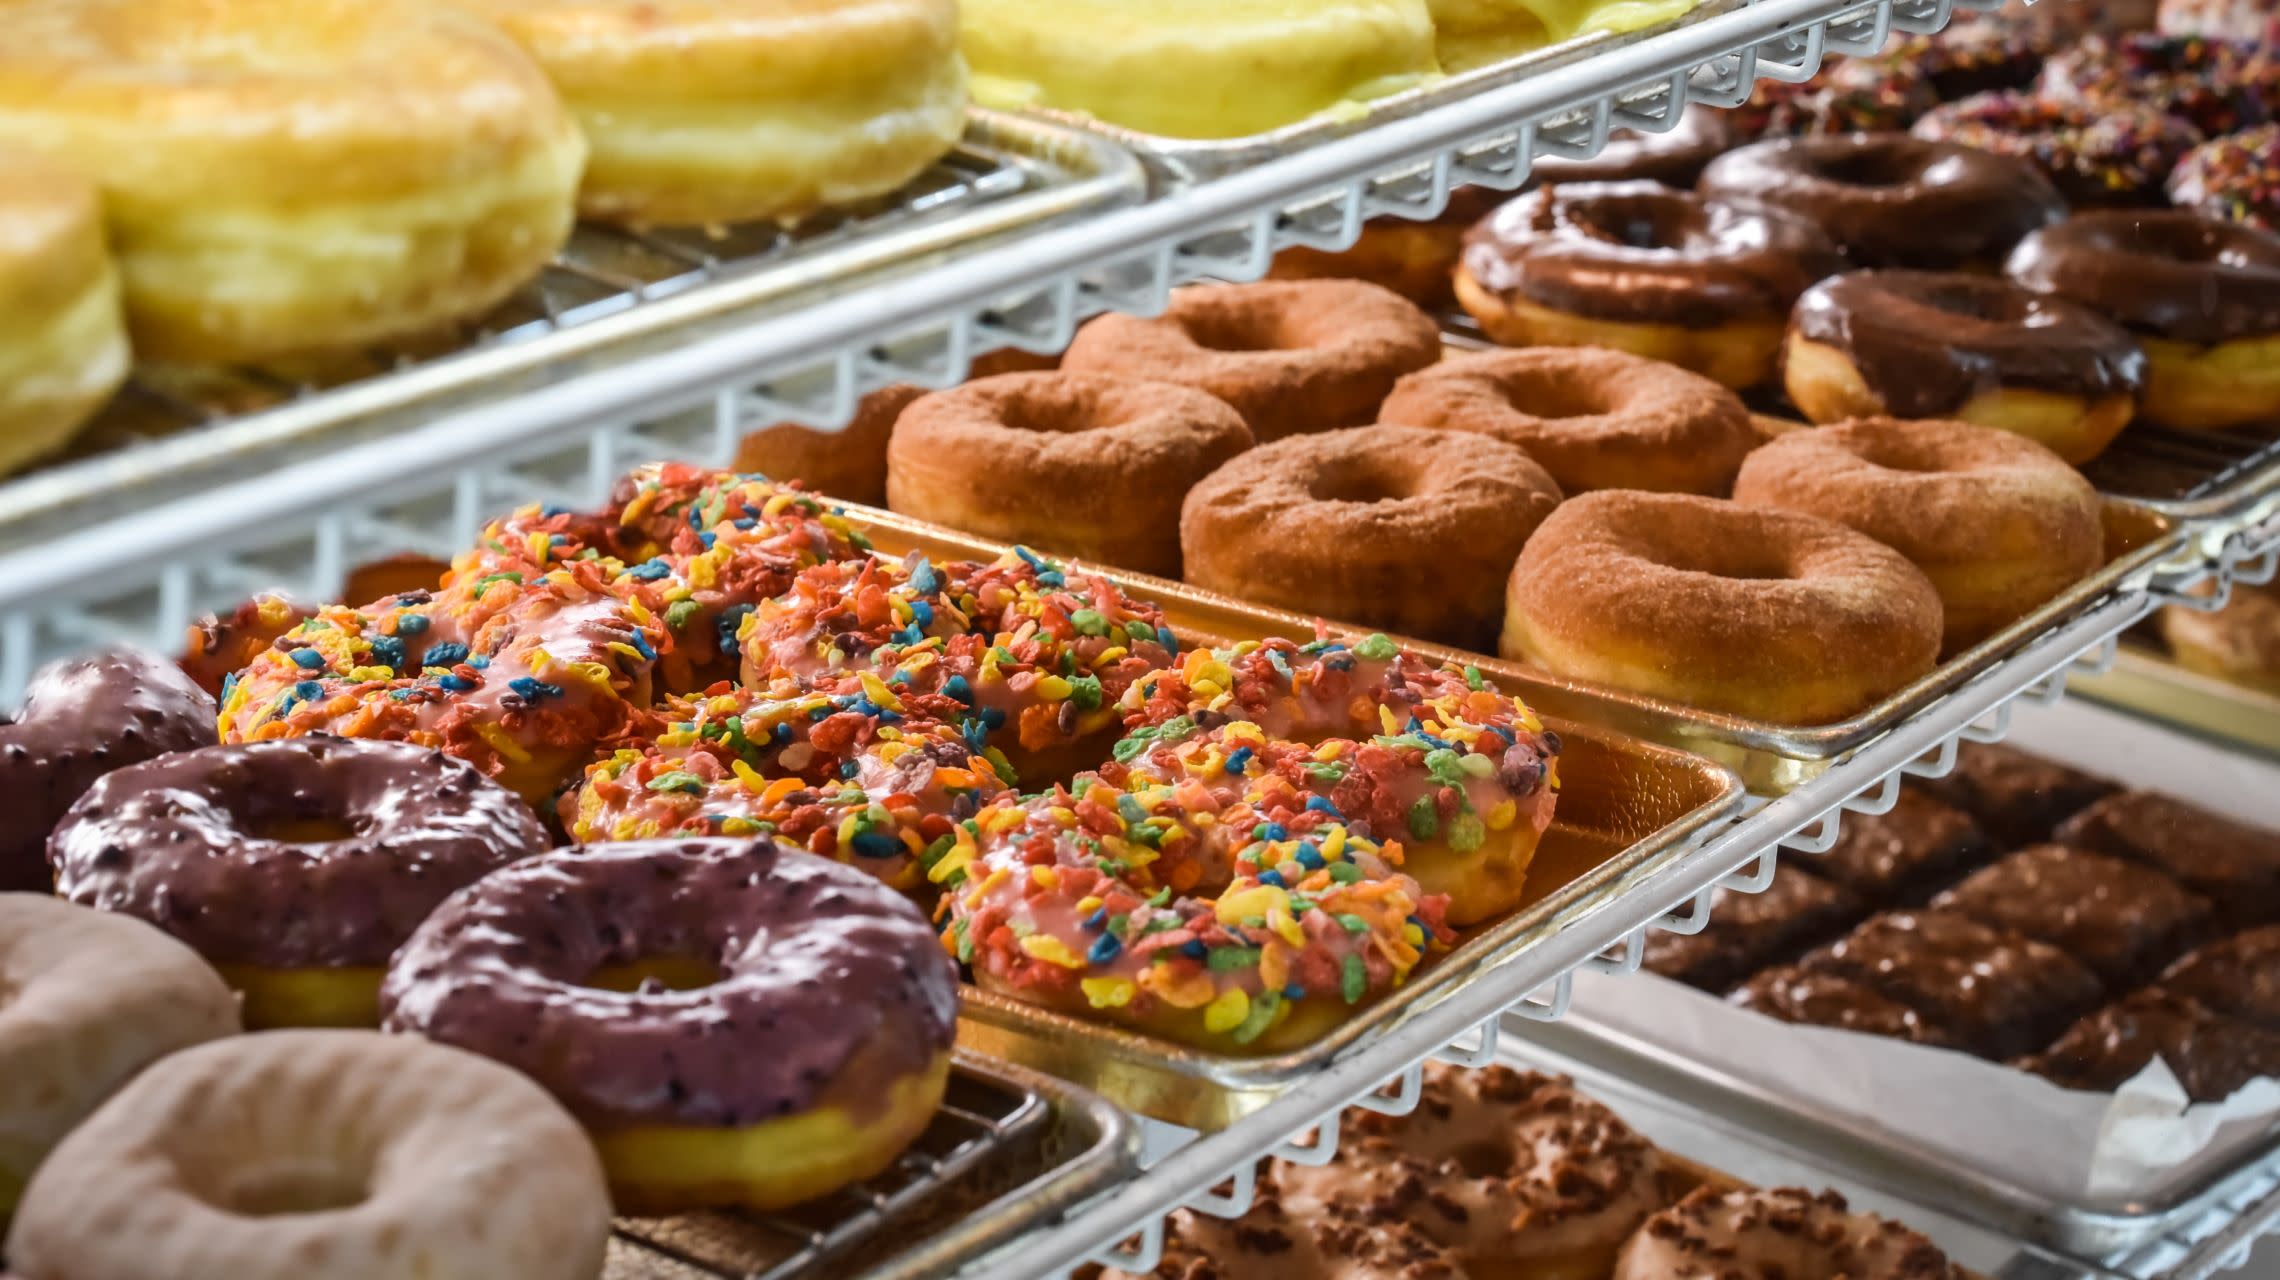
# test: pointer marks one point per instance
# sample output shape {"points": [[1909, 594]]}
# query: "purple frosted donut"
{"points": [[81, 719]]}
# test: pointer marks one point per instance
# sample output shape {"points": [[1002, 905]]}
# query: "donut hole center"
{"points": [[1234, 333], [1559, 398], [1658, 221], [283, 1188], [1359, 480], [1484, 1160], [1870, 167], [649, 975], [1737, 563], [290, 826]]}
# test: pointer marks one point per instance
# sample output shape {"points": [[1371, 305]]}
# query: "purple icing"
{"points": [[186, 843], [822, 969], [81, 719]]}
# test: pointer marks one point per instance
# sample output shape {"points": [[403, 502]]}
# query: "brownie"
{"points": [[2211, 1054], [2238, 977], [1824, 999], [1997, 993], [2015, 797], [2123, 920], [1748, 931], [2235, 867], [1901, 857]]}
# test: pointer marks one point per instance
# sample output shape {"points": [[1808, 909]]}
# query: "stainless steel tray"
{"points": [[1010, 1148], [612, 298], [2145, 682]]}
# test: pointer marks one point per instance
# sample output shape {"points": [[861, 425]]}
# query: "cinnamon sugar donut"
{"points": [[1395, 527], [849, 464], [1414, 259], [1292, 356], [1997, 522], [1595, 418], [1766, 614], [1782, 1232], [1084, 464]]}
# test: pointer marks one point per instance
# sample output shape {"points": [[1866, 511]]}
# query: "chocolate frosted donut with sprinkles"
{"points": [[1857, 95], [2106, 152], [2217, 86]]}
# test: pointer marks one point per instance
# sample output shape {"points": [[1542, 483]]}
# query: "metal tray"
{"points": [[2145, 682], [612, 298], [1627, 810], [1010, 1148]]}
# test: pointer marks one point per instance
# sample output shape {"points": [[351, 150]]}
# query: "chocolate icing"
{"points": [[181, 842], [1926, 343], [823, 970], [1892, 200], [2171, 274], [1641, 253], [81, 719], [1674, 159]]}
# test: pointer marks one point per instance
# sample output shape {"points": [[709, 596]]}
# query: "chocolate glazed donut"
{"points": [[1674, 158], [1892, 200], [80, 720]]}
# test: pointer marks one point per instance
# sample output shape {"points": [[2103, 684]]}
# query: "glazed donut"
{"points": [[1916, 344], [296, 868], [1292, 356], [220, 647], [1857, 95], [875, 782], [1997, 522], [2235, 178], [849, 464], [343, 1154], [1413, 259], [1595, 418], [2202, 298], [734, 1023], [2219, 19], [1702, 282], [1272, 1240], [63, 345], [2096, 153], [92, 999], [293, 176], [1395, 527], [1783, 1232], [1674, 158], [1764, 614], [1514, 1172], [82, 718], [2217, 86], [2240, 642], [703, 113], [1890, 200], [1064, 900], [1082, 463]]}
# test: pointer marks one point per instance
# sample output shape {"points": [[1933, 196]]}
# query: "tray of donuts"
{"points": [[2213, 671]]}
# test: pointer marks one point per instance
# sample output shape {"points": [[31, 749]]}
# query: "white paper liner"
{"points": [[2063, 1145]]}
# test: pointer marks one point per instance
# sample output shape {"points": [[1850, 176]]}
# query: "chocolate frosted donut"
{"points": [[1852, 96], [1673, 158], [81, 719], [1782, 1232], [286, 858], [1892, 200]]}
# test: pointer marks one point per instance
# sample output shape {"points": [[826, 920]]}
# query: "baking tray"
{"points": [[611, 298], [2145, 682], [1010, 1149], [1628, 810]]}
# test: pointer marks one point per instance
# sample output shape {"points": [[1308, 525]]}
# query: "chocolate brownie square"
{"points": [[1824, 999], [1997, 993], [2238, 977], [1900, 857], [2211, 1054], [2015, 797], [2123, 920], [1748, 931], [2235, 867]]}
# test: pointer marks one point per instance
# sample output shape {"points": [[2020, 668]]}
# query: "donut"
{"points": [[1064, 900], [1395, 527], [295, 867], [80, 719], [1244, 65], [1975, 53], [849, 464], [2202, 298], [1514, 1172], [1082, 463], [1272, 1240], [1674, 158], [343, 1154], [1703, 282], [1857, 95], [699, 113], [2235, 178], [1997, 522], [734, 1023], [1594, 418], [1413, 259], [2106, 152], [93, 998], [2239, 643], [871, 778], [1890, 200], [292, 176], [2249, 20], [1768, 615], [219, 647], [63, 343], [1292, 356], [2216, 86], [2070, 21], [1918, 344], [1781, 1232]]}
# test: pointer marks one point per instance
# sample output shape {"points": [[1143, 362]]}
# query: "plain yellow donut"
{"points": [[291, 176], [712, 111], [63, 348]]}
